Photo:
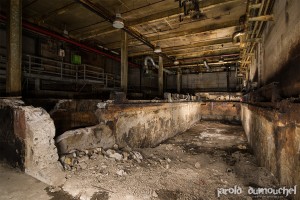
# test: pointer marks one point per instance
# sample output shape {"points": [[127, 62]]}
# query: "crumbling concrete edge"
{"points": [[35, 130]]}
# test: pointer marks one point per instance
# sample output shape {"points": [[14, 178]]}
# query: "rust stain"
{"points": [[20, 124]]}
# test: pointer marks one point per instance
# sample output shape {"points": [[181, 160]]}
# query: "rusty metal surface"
{"points": [[273, 132]]}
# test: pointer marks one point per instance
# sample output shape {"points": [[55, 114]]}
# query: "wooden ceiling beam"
{"points": [[205, 5], [204, 44], [189, 54], [176, 35]]}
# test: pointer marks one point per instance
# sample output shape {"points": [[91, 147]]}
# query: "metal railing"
{"points": [[39, 67], [35, 67]]}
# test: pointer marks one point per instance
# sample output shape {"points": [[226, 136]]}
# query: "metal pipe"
{"points": [[146, 67], [237, 35], [257, 28], [206, 65], [43, 31]]}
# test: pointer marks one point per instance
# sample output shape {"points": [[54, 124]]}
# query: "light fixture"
{"points": [[119, 22], [157, 49], [176, 62]]}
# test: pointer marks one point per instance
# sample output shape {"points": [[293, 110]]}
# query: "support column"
{"points": [[178, 81], [14, 49], [124, 61], [160, 76]]}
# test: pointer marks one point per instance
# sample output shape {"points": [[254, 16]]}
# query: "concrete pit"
{"points": [[183, 150]]}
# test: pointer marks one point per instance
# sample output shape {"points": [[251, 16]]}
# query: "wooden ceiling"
{"points": [[189, 40]]}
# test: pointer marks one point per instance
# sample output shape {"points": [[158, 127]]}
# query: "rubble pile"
{"points": [[78, 160]]}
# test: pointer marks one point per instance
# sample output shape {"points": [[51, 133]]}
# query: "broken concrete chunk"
{"points": [[154, 194], [113, 154], [137, 156], [125, 155], [102, 105], [121, 172], [68, 161], [86, 138], [83, 165], [83, 159], [127, 149], [116, 147], [197, 165]]}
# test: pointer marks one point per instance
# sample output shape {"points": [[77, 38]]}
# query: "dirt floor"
{"points": [[194, 165]]}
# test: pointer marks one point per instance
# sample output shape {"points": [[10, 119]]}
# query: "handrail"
{"points": [[49, 69]]}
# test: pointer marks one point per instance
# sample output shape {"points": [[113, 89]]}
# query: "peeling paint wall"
{"points": [[147, 125], [221, 111], [274, 135]]}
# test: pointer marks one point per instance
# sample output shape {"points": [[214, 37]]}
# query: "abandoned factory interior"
{"points": [[149, 99]]}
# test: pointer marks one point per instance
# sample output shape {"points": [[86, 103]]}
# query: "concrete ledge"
{"points": [[137, 124]]}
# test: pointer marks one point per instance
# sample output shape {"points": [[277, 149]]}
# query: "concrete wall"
{"points": [[139, 124], [277, 58], [139, 81], [204, 81], [221, 111], [274, 135], [26, 140]]}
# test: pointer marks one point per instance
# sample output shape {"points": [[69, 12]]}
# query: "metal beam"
{"points": [[255, 6], [262, 18]]}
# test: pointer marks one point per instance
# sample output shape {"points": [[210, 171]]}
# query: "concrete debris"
{"points": [[242, 146], [85, 138], [113, 154], [154, 194], [127, 149], [125, 155], [121, 172], [101, 105], [116, 147], [137, 156], [197, 165], [168, 96], [81, 160], [83, 165]]}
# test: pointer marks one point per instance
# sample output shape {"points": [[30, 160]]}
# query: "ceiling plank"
{"points": [[176, 35], [206, 5], [189, 54], [56, 12], [203, 44], [105, 14]]}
